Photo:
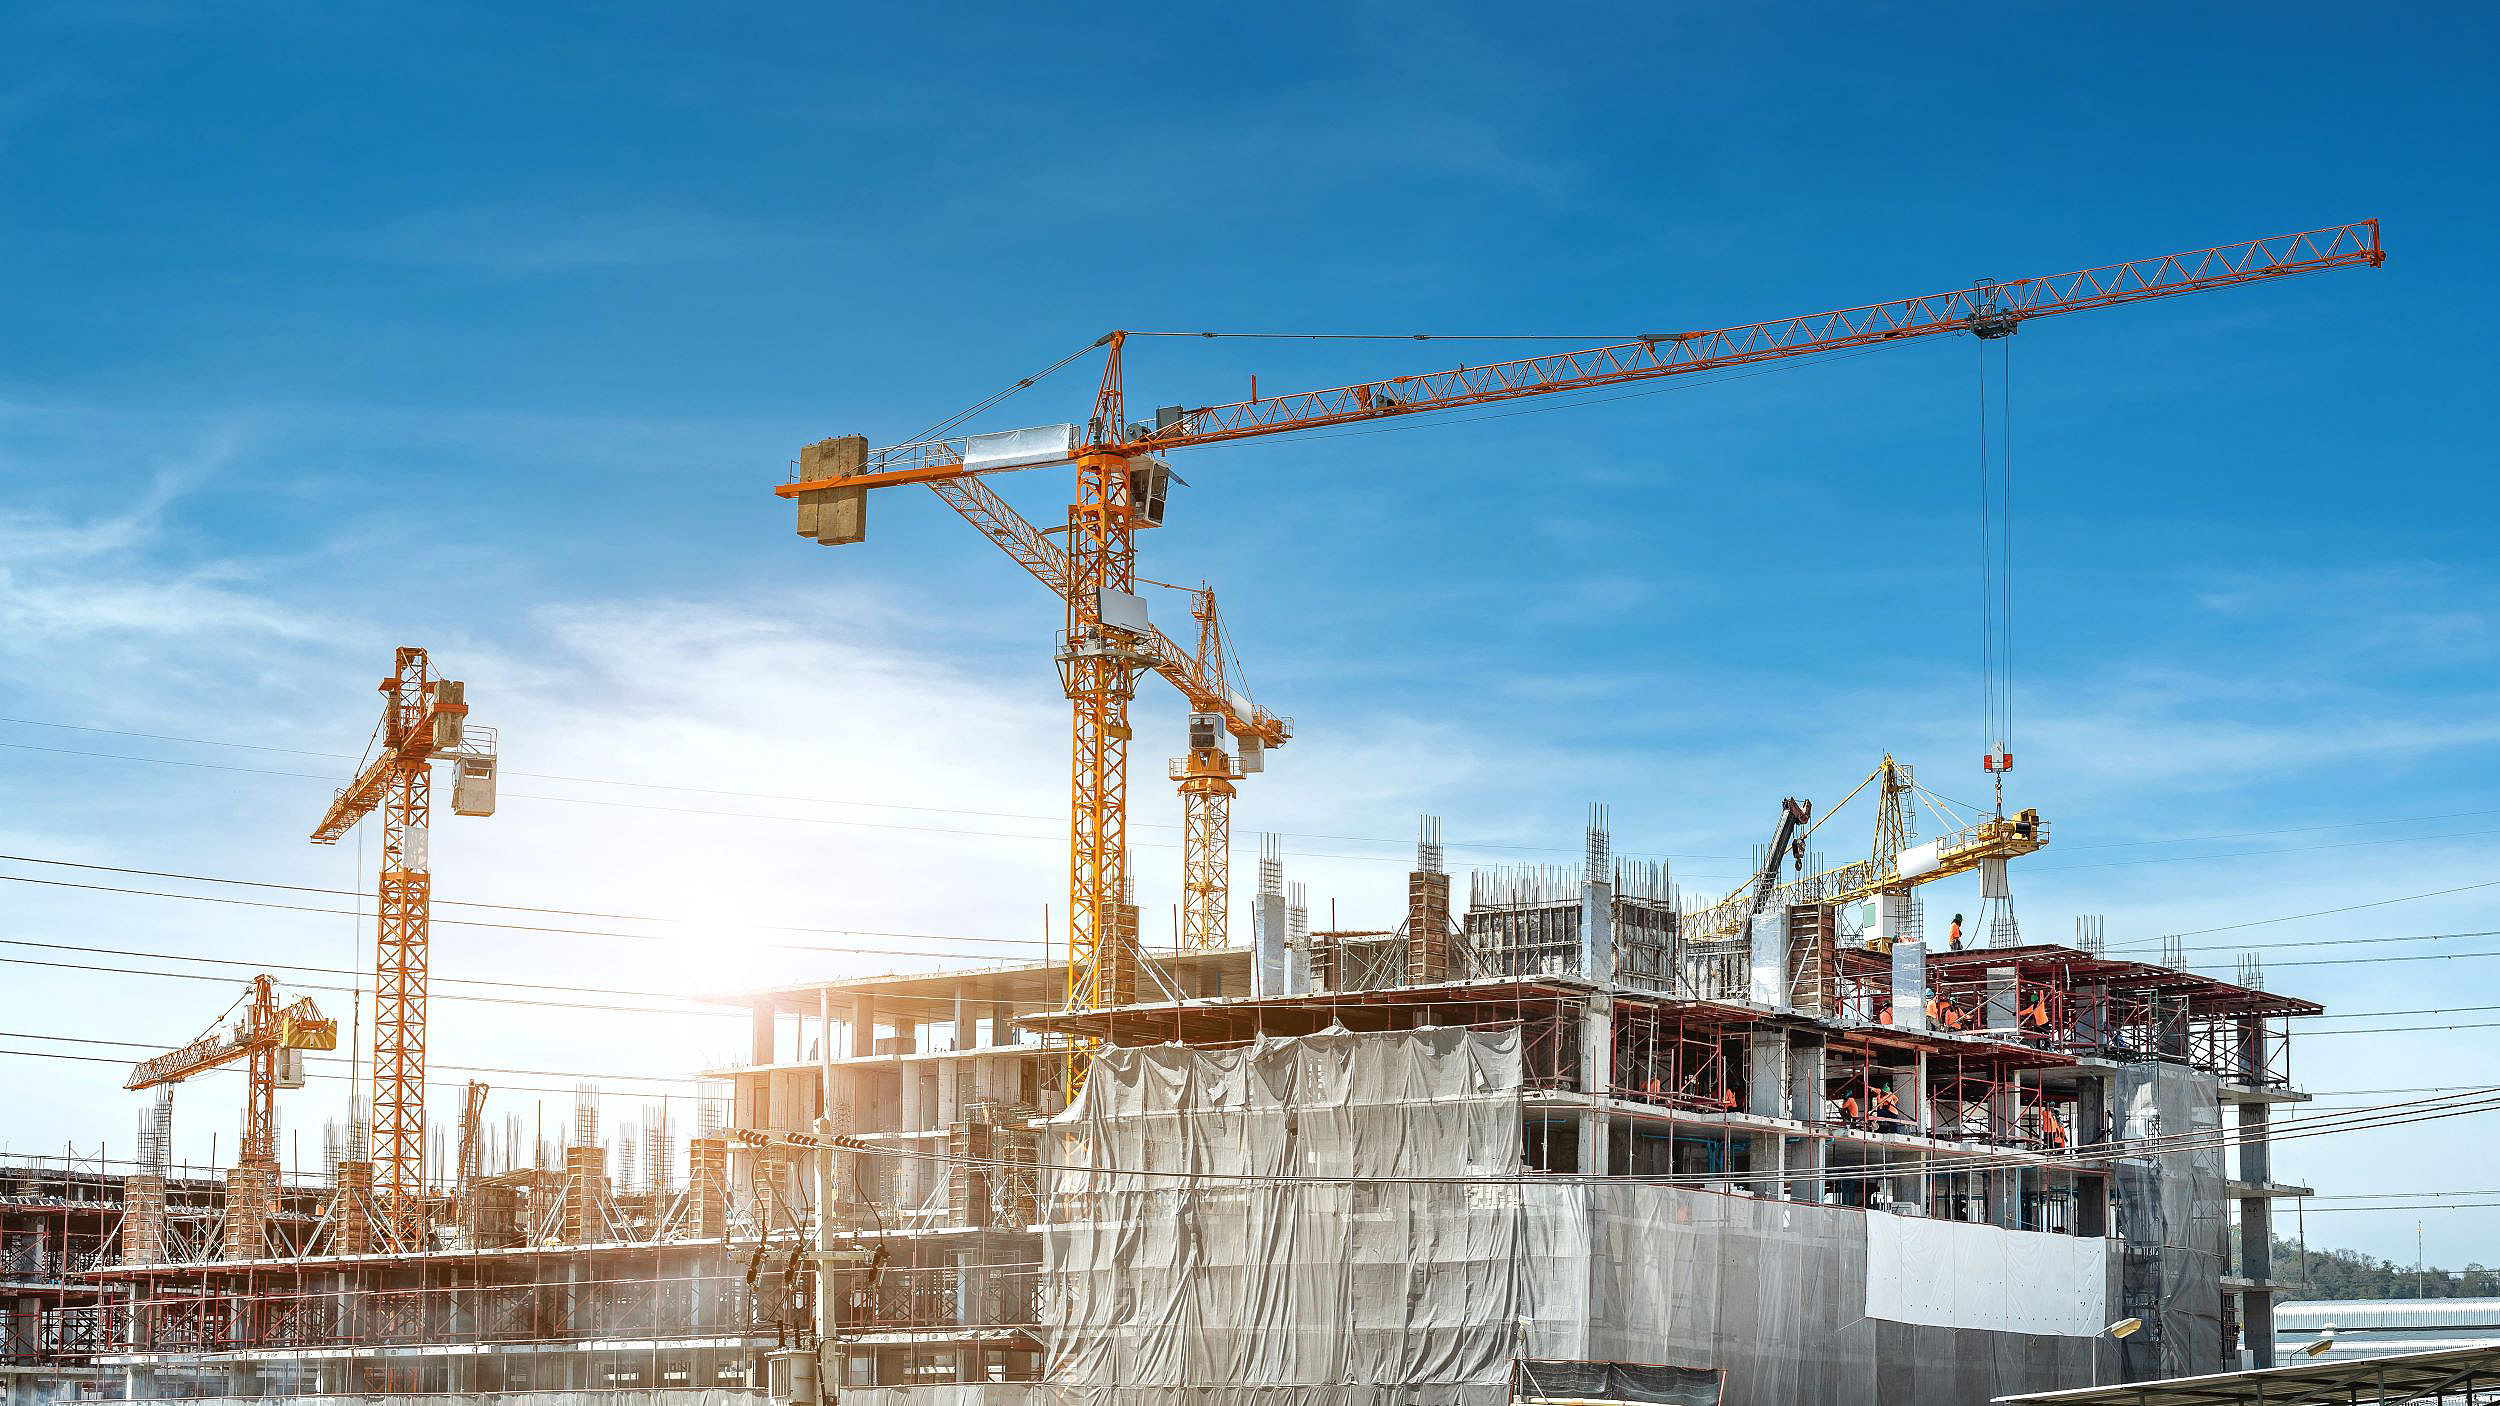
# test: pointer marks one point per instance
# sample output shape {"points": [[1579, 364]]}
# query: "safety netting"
{"points": [[2168, 1207]]}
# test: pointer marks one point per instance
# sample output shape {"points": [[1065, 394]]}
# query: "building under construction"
{"points": [[1572, 1138], [1579, 1136]]}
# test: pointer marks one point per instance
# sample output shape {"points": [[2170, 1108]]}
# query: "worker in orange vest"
{"points": [[1953, 938], [1943, 1013], [2052, 1128], [2036, 1014]]}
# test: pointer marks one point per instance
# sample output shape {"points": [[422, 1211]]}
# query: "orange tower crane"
{"points": [[271, 1038], [1206, 776], [1108, 641], [423, 719], [1120, 474]]}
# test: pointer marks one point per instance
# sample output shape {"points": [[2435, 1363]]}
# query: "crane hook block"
{"points": [[834, 517]]}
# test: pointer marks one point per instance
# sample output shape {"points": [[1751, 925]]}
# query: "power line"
{"points": [[436, 977], [478, 922], [2324, 912], [255, 965], [516, 907], [332, 1059], [430, 1083], [443, 995], [1395, 842]]}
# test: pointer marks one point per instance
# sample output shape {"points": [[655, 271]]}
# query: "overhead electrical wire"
{"points": [[804, 799], [481, 923], [2484, 1100], [344, 1078], [438, 976], [332, 1059], [466, 996], [503, 907]]}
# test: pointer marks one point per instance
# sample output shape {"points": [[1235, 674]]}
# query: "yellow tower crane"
{"points": [[1121, 478]]}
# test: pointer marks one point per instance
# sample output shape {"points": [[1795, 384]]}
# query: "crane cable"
{"points": [[1996, 614], [1996, 571]]}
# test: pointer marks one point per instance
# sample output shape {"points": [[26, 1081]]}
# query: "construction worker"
{"points": [[1953, 938], [2035, 1014], [1943, 1014], [1886, 1107], [2052, 1128]]}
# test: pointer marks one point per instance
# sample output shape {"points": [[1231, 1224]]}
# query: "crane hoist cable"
{"points": [[1996, 566]]}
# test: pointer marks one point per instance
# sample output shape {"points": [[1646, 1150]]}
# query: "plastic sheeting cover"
{"points": [[1948, 1274], [2169, 1212], [1374, 1289], [1366, 1287]]}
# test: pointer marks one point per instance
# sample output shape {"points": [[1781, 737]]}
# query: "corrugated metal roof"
{"points": [[2358, 1315], [2380, 1379]]}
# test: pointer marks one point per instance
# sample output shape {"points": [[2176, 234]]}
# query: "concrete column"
{"points": [[1805, 1080], [1272, 966], [1805, 1104], [863, 1026], [1597, 930], [760, 1033], [2256, 1152], [1595, 1142], [1597, 1046], [907, 1170], [1766, 1073]]}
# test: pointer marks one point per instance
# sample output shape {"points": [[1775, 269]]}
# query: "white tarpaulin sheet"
{"points": [[1947, 1274], [1323, 1221]]}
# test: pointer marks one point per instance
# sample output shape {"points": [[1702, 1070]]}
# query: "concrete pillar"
{"points": [[1597, 930], [351, 1233], [251, 1202], [1805, 1104], [1272, 966], [707, 1182], [1597, 1046], [1596, 1142], [907, 1170], [143, 1219], [2256, 1152], [1805, 1080], [863, 1026], [1766, 1073], [760, 1033]]}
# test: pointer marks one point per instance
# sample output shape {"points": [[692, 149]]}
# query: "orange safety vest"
{"points": [[2051, 1124]]}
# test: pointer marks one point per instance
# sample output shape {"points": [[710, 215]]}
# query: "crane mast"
{"points": [[1107, 644], [424, 719]]}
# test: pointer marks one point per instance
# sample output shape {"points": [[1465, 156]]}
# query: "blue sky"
{"points": [[333, 329]]}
